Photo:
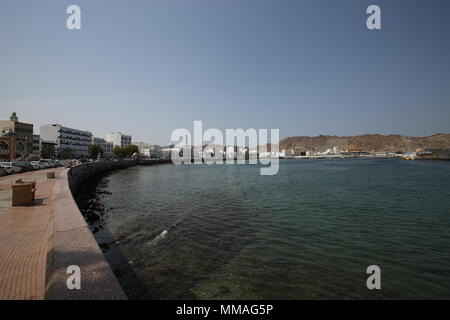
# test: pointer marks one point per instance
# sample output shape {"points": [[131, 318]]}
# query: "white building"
{"points": [[77, 141], [119, 139], [148, 150], [155, 151], [156, 148], [166, 152], [287, 153], [107, 147], [99, 142], [336, 150], [144, 148]]}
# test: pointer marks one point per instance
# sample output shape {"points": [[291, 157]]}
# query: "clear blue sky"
{"points": [[307, 67]]}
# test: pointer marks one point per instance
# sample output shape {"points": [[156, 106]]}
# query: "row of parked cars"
{"points": [[17, 167]]}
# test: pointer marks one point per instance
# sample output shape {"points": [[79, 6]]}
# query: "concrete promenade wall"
{"points": [[72, 243], [78, 174]]}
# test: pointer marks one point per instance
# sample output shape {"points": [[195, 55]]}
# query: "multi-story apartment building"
{"points": [[43, 149], [109, 149], [36, 144], [106, 146], [147, 150], [68, 141], [99, 142], [119, 139], [144, 148], [155, 150]]}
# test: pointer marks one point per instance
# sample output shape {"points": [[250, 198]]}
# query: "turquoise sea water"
{"points": [[308, 232]]}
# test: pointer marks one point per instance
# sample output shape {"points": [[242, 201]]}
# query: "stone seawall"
{"points": [[72, 243], [77, 175]]}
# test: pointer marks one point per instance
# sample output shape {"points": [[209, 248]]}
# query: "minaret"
{"points": [[14, 117]]}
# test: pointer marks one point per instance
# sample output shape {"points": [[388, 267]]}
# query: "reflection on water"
{"points": [[225, 232]]}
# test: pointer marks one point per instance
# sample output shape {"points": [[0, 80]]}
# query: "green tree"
{"points": [[65, 153], [119, 152], [94, 151], [48, 152], [131, 149], [125, 152]]}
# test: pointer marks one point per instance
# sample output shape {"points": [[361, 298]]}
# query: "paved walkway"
{"points": [[24, 234], [5, 198]]}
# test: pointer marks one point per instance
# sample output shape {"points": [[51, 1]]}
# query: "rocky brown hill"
{"points": [[367, 142]]}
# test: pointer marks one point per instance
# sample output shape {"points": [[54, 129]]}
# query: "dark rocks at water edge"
{"points": [[91, 216], [90, 204]]}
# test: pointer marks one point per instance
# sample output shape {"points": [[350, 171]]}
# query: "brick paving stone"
{"points": [[24, 235]]}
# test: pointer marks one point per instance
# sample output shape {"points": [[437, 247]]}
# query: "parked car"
{"points": [[2, 172], [25, 166], [8, 166], [36, 165], [47, 163], [55, 164], [60, 163]]}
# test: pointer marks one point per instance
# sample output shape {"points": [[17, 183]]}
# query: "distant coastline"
{"points": [[366, 143]]}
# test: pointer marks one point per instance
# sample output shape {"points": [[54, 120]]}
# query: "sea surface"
{"points": [[309, 232]]}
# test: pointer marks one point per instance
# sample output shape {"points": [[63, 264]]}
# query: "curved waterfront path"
{"points": [[24, 235], [38, 243]]}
